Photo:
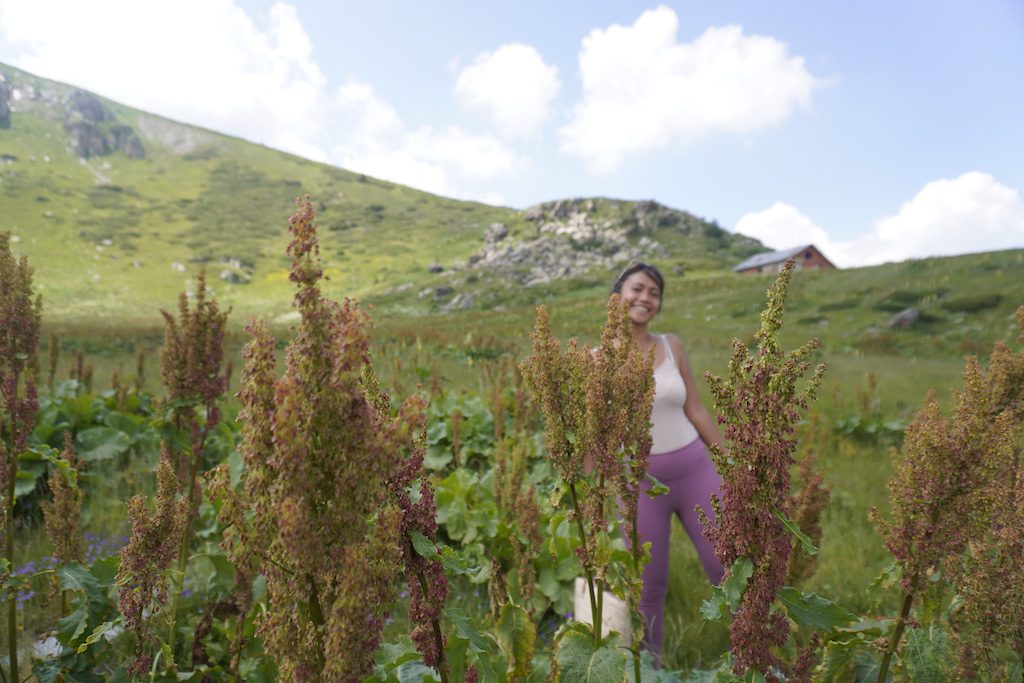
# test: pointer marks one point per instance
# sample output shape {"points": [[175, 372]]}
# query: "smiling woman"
{"points": [[680, 428]]}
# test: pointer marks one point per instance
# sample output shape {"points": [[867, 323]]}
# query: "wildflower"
{"points": [[20, 314], [62, 514], [154, 543], [596, 407], [190, 368], [519, 508], [946, 487], [992, 591], [759, 405], [325, 479], [806, 507]]}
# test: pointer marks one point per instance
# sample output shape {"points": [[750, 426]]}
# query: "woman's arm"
{"points": [[694, 408]]}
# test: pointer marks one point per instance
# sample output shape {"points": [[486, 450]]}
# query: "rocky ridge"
{"points": [[568, 239], [93, 129]]}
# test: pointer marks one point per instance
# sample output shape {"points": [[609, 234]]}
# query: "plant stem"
{"points": [[316, 615], [586, 559], [186, 534], [897, 634], [236, 660], [442, 664], [634, 542], [12, 607]]}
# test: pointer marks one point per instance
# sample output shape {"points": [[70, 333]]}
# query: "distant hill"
{"points": [[117, 209]]}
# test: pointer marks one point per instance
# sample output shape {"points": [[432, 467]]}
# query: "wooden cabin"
{"points": [[806, 256]]}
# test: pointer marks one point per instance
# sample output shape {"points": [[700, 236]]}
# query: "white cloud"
{"points": [[782, 226], [207, 62], [643, 90], [377, 143], [202, 61], [513, 85], [971, 213]]}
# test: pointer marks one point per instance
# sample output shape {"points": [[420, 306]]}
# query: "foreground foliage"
{"points": [[336, 536]]}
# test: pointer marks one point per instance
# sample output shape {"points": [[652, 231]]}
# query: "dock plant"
{"points": [[192, 372], [759, 405], [332, 498], [596, 406], [952, 484], [20, 312]]}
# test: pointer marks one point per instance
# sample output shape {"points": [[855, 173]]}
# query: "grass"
{"points": [[227, 198]]}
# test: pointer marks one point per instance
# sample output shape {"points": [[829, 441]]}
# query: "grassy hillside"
{"points": [[117, 209]]}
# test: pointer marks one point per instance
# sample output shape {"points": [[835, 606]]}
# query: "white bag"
{"points": [[614, 612]]}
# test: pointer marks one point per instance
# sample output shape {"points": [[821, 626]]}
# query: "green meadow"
{"points": [[114, 240]]}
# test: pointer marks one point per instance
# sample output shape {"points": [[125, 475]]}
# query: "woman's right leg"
{"points": [[654, 518]]}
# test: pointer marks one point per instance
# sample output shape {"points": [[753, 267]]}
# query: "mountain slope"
{"points": [[117, 209]]}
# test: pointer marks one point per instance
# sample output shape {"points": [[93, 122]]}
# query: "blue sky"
{"points": [[877, 130]]}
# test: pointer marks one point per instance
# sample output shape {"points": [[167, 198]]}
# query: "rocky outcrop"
{"points": [[84, 106], [569, 243], [127, 142], [90, 130], [86, 139], [5, 103]]}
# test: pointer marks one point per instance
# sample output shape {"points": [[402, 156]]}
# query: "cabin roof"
{"points": [[770, 257]]}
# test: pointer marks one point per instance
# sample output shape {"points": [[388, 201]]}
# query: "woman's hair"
{"points": [[640, 267]]}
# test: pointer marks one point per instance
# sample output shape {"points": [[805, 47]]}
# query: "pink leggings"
{"points": [[691, 478]]}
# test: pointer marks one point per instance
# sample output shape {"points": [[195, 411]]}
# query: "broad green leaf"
{"points": [[926, 655], [839, 657], [416, 672], [648, 674], [657, 488], [455, 656], [122, 422], [457, 563], [490, 669], [72, 626], [96, 634], [810, 609], [725, 597], [91, 607], [27, 478], [794, 530], [579, 661], [423, 545], [390, 656], [741, 571], [516, 635], [47, 670], [101, 443], [1016, 672], [464, 628]]}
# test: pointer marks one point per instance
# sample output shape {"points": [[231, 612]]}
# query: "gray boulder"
{"points": [[908, 317], [496, 232], [234, 277]]}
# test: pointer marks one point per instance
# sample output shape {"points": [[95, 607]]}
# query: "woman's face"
{"points": [[643, 296]]}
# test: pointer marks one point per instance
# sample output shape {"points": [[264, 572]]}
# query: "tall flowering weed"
{"points": [[759, 405], [142, 574], [596, 406], [952, 494], [20, 312], [329, 472]]}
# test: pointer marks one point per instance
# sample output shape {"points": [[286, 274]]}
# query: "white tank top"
{"points": [[670, 428]]}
